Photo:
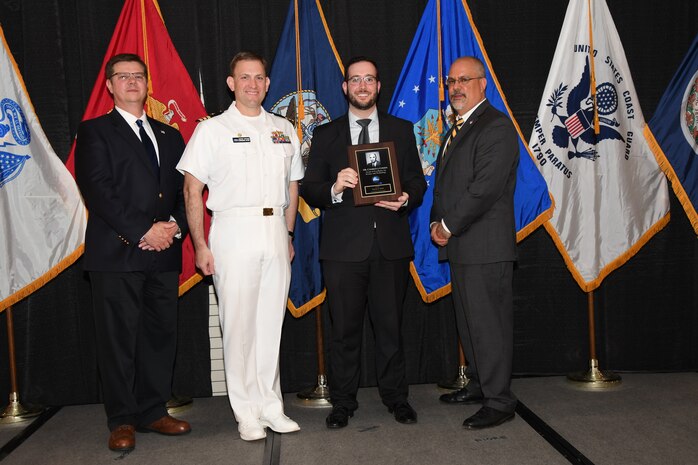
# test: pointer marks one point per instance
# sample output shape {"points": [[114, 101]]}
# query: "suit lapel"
{"points": [[161, 138], [123, 129], [469, 123]]}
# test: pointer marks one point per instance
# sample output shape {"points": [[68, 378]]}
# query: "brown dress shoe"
{"points": [[123, 438], [167, 425]]}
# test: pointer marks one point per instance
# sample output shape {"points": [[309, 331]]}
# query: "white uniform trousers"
{"points": [[252, 278]]}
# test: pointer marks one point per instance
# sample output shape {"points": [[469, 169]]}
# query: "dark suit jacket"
{"points": [[123, 195], [347, 231], [474, 190]]}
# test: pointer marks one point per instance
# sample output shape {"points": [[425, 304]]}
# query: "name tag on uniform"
{"points": [[278, 137], [239, 140]]}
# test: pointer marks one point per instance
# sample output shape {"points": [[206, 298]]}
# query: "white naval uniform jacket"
{"points": [[245, 162]]}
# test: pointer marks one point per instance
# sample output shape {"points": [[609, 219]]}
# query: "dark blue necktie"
{"points": [[149, 147]]}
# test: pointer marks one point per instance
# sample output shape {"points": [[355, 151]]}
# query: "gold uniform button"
{"points": [[160, 195]]}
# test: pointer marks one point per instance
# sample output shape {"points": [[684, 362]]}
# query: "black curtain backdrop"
{"points": [[646, 317]]}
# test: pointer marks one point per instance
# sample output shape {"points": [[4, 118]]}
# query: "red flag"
{"points": [[172, 97]]}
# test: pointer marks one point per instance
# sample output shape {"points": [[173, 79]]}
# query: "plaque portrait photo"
{"points": [[379, 178]]}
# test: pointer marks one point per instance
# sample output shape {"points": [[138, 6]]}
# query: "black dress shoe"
{"points": [[461, 396], [404, 413], [487, 417], [338, 417]]}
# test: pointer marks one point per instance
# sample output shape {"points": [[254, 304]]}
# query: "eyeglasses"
{"points": [[368, 80], [125, 77], [450, 82]]}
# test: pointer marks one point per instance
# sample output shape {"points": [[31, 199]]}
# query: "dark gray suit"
{"points": [[474, 196]]}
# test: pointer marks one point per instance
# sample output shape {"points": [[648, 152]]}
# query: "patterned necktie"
{"points": [[454, 131], [363, 135], [149, 147]]}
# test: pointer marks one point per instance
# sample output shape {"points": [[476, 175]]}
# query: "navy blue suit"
{"points": [[134, 291]]}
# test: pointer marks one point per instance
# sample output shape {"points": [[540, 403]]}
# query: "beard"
{"points": [[362, 106]]}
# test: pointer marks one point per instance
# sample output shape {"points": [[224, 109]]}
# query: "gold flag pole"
{"points": [[442, 97], [319, 395], [300, 107], [461, 380], [593, 378], [592, 68], [15, 411]]}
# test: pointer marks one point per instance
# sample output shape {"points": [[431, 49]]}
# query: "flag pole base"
{"points": [[316, 397], [178, 404], [16, 412], [594, 378], [459, 382]]}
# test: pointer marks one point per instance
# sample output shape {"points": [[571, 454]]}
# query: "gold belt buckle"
{"points": [[267, 211]]}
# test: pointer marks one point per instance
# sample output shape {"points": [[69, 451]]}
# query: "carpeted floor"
{"points": [[648, 419]]}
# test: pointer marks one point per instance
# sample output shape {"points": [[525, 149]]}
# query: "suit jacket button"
{"points": [[160, 195]]}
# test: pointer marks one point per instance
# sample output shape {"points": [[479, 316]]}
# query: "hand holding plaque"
{"points": [[379, 178]]}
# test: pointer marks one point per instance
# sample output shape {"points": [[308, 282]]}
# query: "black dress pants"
{"points": [[136, 325], [350, 285]]}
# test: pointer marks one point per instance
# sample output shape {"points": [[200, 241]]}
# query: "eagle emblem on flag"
{"points": [[576, 132]]}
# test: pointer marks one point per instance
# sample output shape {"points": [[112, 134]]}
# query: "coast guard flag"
{"points": [[172, 97], [306, 88], [43, 217], [416, 99], [589, 145], [673, 133]]}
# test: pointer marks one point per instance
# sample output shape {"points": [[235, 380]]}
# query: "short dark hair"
{"points": [[131, 57], [358, 59], [247, 56]]}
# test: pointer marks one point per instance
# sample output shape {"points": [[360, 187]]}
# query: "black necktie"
{"points": [[363, 135], [149, 147]]}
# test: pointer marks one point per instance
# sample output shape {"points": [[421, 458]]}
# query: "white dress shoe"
{"points": [[280, 424], [251, 431]]}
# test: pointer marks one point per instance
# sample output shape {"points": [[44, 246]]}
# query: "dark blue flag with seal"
{"points": [[672, 133], [420, 97], [306, 88]]}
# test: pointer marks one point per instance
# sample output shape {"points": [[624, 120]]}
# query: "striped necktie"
{"points": [[454, 130]]}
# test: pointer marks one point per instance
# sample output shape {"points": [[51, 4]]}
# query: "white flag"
{"points": [[611, 197], [43, 217]]}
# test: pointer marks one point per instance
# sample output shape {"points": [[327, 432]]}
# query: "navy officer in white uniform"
{"points": [[250, 160]]}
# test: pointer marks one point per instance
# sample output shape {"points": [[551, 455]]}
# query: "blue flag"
{"points": [[306, 88], [416, 98], [672, 133]]}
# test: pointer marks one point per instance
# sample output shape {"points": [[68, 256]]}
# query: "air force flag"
{"points": [[588, 144], [416, 99]]}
